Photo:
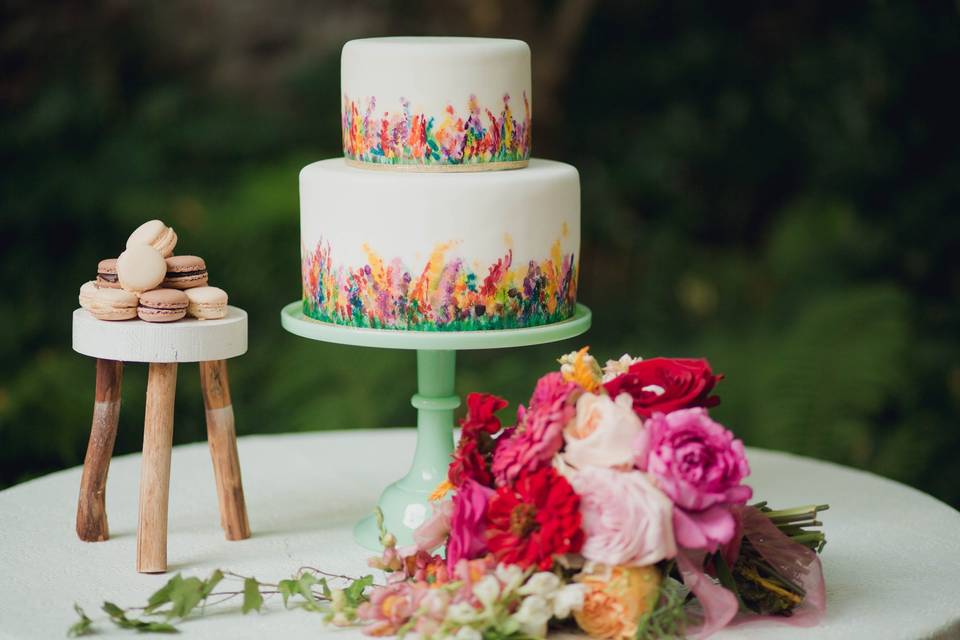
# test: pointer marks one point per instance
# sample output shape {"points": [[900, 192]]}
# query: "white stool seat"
{"points": [[187, 340]]}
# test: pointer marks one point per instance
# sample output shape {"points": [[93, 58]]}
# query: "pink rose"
{"points": [[700, 466], [603, 432], [626, 519], [467, 522]]}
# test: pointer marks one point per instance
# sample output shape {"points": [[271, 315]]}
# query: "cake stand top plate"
{"points": [[294, 321], [187, 340]]}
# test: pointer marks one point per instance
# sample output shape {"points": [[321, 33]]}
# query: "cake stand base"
{"points": [[405, 503]]}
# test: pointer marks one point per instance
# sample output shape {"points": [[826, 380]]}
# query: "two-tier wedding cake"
{"points": [[436, 218]]}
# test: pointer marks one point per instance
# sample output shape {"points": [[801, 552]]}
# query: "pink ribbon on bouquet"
{"points": [[719, 606]]}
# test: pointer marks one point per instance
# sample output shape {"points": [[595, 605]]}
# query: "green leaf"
{"points": [[112, 610], [118, 617], [252, 600], [161, 596], [354, 592], [325, 588], [211, 583], [287, 588], [305, 589], [184, 596], [82, 626], [153, 626]]}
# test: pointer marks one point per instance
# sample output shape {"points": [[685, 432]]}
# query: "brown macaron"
{"points": [[162, 305], [107, 274], [185, 272]]}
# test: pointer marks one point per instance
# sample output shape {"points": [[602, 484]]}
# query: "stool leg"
{"points": [[92, 505], [222, 437], [155, 469]]}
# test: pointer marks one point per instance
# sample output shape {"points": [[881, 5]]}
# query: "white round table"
{"points": [[891, 561]]}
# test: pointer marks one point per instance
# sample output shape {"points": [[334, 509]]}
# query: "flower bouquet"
{"points": [[614, 502]]}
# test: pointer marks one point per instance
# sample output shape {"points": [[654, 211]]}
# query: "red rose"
{"points": [[481, 408], [666, 384], [535, 519], [472, 458]]}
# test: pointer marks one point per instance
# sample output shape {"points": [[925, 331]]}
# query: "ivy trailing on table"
{"points": [[335, 596]]}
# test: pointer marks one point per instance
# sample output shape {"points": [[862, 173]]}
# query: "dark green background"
{"points": [[772, 185]]}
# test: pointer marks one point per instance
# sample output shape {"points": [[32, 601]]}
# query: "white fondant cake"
{"points": [[448, 104], [446, 250], [440, 251]]}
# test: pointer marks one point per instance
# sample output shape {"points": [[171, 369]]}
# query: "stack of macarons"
{"points": [[148, 282]]}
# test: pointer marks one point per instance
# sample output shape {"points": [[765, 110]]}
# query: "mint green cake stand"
{"points": [[404, 503]]}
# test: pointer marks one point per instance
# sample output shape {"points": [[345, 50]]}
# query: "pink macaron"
{"points": [[185, 272], [107, 274], [162, 305]]}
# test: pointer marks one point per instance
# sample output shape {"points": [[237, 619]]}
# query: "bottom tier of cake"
{"points": [[439, 251]]}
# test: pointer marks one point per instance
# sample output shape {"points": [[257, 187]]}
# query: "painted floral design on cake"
{"points": [[447, 294], [401, 137]]}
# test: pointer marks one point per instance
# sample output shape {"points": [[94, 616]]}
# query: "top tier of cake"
{"points": [[436, 104]]}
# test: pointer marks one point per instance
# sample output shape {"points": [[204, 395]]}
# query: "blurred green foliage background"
{"points": [[773, 185]]}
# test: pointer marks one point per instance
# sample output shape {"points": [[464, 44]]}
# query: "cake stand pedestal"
{"points": [[405, 503]]}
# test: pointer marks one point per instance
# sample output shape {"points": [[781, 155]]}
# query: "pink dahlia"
{"points": [[539, 432]]}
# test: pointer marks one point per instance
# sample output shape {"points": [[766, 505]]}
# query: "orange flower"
{"points": [[581, 368], [615, 600]]}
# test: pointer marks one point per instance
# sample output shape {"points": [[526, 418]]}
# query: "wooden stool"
{"points": [[163, 346]]}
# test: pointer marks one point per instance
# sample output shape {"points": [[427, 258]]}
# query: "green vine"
{"points": [[182, 598]]}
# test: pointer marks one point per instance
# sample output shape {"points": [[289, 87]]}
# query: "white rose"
{"points": [[533, 615], [614, 368], [568, 599], [603, 432]]}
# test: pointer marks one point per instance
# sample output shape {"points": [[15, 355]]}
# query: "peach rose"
{"points": [[615, 600], [603, 432]]}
